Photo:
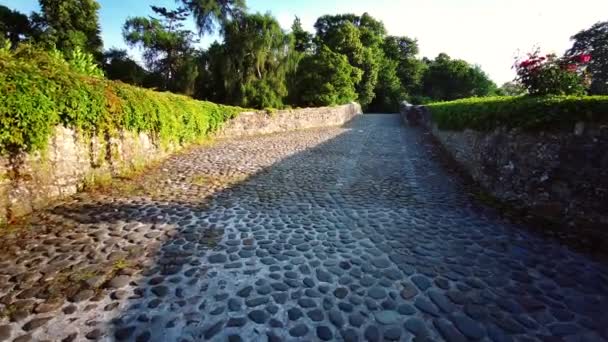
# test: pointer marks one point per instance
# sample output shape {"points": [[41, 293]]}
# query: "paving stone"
{"points": [[307, 303], [468, 327], [335, 317], [234, 338], [376, 293], [324, 276], [213, 330], [315, 315], [441, 301], [387, 317], [258, 316], [160, 290], [36, 323], [349, 335], [298, 330], [417, 327], [409, 291], [426, 306], [421, 282], [392, 334], [124, 333], [217, 258], [5, 332], [341, 292], [119, 282], [356, 227], [236, 322], [448, 331], [324, 333], [253, 302], [245, 292], [372, 333], [294, 314]]}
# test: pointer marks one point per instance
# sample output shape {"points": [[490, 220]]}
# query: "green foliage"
{"points": [[332, 82], [83, 63], [511, 89], [526, 112], [594, 42], [118, 66], [450, 79], [68, 24], [549, 75], [389, 91], [14, 26], [302, 39], [359, 39], [410, 70], [167, 47], [208, 13], [251, 67], [39, 91]]}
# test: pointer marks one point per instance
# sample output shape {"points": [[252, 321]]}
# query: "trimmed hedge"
{"points": [[526, 112], [39, 90]]}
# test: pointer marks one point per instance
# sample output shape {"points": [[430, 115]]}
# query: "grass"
{"points": [[120, 264]]}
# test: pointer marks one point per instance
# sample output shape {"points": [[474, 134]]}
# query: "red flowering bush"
{"points": [[550, 75]]}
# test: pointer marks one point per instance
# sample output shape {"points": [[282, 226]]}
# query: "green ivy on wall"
{"points": [[39, 90]]}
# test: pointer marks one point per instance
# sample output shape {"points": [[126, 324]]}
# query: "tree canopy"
{"points": [[332, 82], [256, 63], [594, 41], [451, 79], [14, 26], [166, 45], [208, 14], [70, 24]]}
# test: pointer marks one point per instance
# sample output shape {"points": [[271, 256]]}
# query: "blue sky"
{"points": [[489, 33]]}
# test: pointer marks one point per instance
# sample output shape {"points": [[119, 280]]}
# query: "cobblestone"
{"points": [[346, 233]]}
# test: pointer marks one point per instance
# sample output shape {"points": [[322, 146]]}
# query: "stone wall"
{"points": [[254, 123], [558, 175], [32, 181]]}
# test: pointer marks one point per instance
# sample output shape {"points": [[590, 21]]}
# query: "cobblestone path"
{"points": [[346, 234]]}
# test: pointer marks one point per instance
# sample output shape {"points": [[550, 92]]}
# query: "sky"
{"points": [[489, 33]]}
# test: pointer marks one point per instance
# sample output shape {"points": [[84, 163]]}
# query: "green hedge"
{"points": [[39, 90], [526, 112]]}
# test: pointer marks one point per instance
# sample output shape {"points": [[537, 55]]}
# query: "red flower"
{"points": [[583, 58], [571, 67]]}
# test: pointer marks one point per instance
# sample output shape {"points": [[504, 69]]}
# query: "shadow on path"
{"points": [[361, 236]]}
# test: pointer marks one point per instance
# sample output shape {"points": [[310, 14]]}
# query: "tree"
{"points": [[14, 26], [118, 66], [389, 91], [359, 39], [326, 78], [209, 13], [68, 24], [167, 46], [410, 70], [302, 38], [511, 89], [256, 48], [594, 42], [251, 67], [211, 83], [451, 79]]}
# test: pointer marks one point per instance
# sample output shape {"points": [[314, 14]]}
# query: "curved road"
{"points": [[347, 234]]}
